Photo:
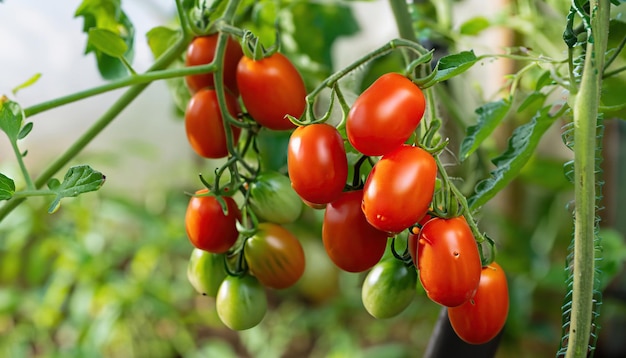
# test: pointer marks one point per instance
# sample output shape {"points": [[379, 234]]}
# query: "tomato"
{"points": [[204, 125], [399, 189], [448, 261], [208, 228], [274, 256], [385, 115], [320, 281], [270, 89], [241, 302], [388, 288], [201, 51], [480, 319], [350, 241], [317, 163], [205, 271], [413, 238], [273, 199]]}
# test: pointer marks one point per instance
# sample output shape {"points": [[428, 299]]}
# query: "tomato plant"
{"points": [[201, 51], [205, 271], [273, 199], [448, 261], [480, 319], [271, 88], [350, 241], [388, 288], [241, 302], [208, 227], [204, 124], [385, 115], [275, 256]]}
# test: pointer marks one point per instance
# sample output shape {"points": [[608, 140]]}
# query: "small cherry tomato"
{"points": [[273, 199], [206, 272], [241, 302], [201, 51], [388, 288], [207, 226]]}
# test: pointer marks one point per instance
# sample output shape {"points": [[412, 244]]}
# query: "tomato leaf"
{"points": [[160, 38], [7, 187], [78, 180], [29, 82], [453, 65], [535, 98], [474, 26], [107, 42], [489, 116], [11, 117], [522, 144], [25, 130]]}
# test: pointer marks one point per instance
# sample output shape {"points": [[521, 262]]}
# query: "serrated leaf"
{"points": [[7, 187], [11, 117], [474, 26], [522, 144], [29, 82], [78, 180], [160, 38], [25, 130], [453, 65], [107, 42], [489, 116]]}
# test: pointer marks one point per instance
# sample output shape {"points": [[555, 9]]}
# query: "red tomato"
{"points": [[317, 163], [480, 319], [204, 125], [399, 189], [448, 261], [274, 256], [208, 228], [201, 51], [385, 114], [270, 89], [350, 241]]}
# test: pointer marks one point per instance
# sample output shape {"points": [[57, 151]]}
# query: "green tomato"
{"points": [[389, 288], [241, 302], [273, 199], [205, 271]]}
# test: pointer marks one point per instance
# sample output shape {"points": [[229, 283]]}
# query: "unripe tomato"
{"points": [[273, 199], [241, 302], [208, 228], [201, 51], [350, 241], [270, 89], [399, 189], [204, 125], [480, 319], [388, 288], [385, 114], [448, 261], [317, 163], [206, 272], [320, 280], [274, 256]]}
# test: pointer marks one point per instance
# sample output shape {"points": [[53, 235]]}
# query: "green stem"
{"points": [[403, 19], [585, 111], [20, 161]]}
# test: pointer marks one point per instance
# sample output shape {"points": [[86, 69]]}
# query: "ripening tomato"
{"points": [[273, 199], [388, 288], [385, 114], [399, 189], [208, 228], [270, 89], [448, 261], [317, 163], [241, 302], [201, 51], [480, 319], [274, 256], [204, 125], [350, 241]]}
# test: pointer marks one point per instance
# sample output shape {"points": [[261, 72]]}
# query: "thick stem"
{"points": [[403, 19]]}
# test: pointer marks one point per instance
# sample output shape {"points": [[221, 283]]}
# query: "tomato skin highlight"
{"points": [[399, 189], [448, 261], [270, 89], [201, 51], [350, 241], [241, 302], [385, 115], [317, 163], [275, 256], [207, 227], [480, 319], [204, 125]]}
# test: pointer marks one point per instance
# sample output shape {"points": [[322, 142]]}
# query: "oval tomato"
{"points": [[274, 256], [273, 199], [399, 189], [480, 319], [208, 228], [204, 125], [270, 89], [206, 272], [350, 241], [388, 288], [201, 51], [448, 261], [241, 302], [317, 163], [385, 115], [320, 280]]}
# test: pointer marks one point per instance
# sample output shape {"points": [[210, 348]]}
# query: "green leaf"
{"points": [[107, 42], [29, 82], [535, 98], [161, 38], [78, 180], [11, 117], [7, 187], [489, 116], [25, 130], [522, 144], [453, 65], [474, 26]]}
